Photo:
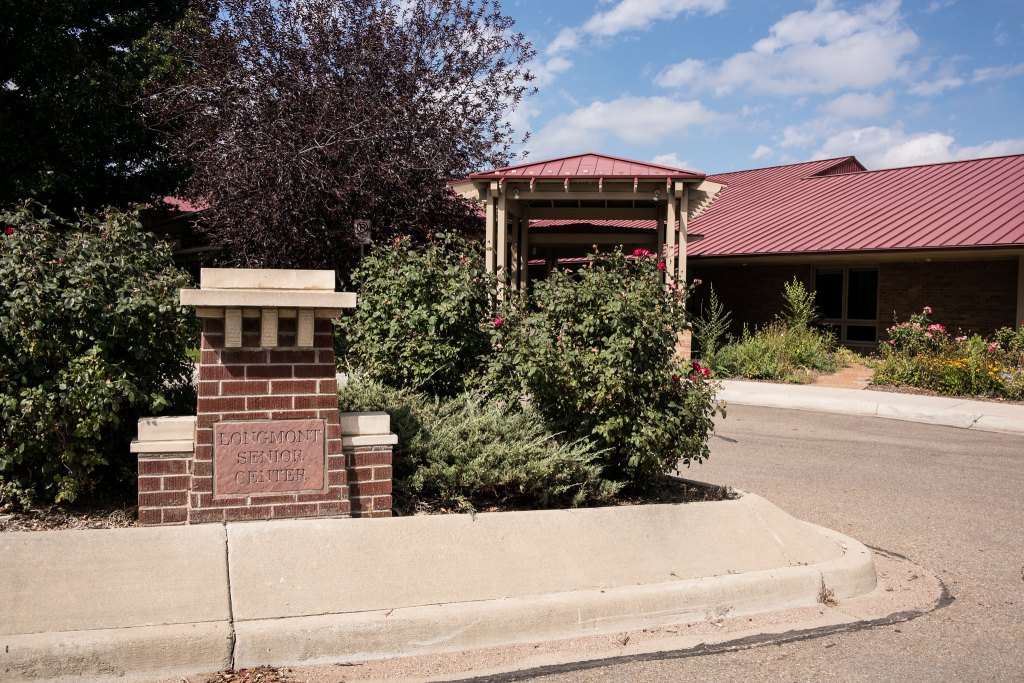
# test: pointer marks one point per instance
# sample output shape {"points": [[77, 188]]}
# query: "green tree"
{"points": [[72, 76]]}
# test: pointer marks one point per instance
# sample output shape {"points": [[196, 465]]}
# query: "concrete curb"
{"points": [[938, 410], [317, 590]]}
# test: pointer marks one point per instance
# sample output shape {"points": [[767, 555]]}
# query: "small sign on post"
{"points": [[362, 230]]}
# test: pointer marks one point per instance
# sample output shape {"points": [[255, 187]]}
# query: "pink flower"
{"points": [[661, 265], [641, 253], [993, 347], [927, 310], [936, 328], [693, 378], [927, 335], [892, 342], [498, 322]]}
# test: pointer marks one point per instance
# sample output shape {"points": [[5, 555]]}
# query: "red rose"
{"points": [[661, 265], [498, 322], [675, 378], [9, 230]]}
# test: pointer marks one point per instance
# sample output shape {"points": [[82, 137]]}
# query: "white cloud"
{"points": [[993, 73], [822, 50], [880, 147], [1000, 34], [635, 120], [936, 5], [860, 105], [567, 39], [673, 160], [630, 15], [762, 152], [936, 87], [546, 70]]}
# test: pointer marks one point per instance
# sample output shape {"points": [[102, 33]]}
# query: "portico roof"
{"points": [[590, 165]]}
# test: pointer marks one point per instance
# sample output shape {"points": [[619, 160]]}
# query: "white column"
{"points": [[684, 205], [524, 248], [670, 238], [501, 243], [489, 228], [513, 279]]}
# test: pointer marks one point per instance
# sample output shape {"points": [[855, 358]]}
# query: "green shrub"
{"points": [[91, 338], [420, 316], [466, 452], [789, 349], [711, 328], [922, 353], [594, 354]]}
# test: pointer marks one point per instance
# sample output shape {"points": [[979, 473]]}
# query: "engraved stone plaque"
{"points": [[271, 456]]}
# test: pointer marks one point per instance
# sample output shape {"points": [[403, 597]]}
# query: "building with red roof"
{"points": [[874, 245]]}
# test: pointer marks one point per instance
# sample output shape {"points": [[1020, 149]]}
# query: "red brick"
{"points": [[293, 386], [175, 515], [292, 356], [293, 415], [248, 513], [323, 370], [362, 459], [150, 484], [381, 473], [328, 386], [163, 498], [382, 502], [202, 484], [205, 422], [214, 372], [320, 402], [207, 389], [295, 510], [314, 497], [244, 388], [268, 403], [220, 405], [334, 431], [213, 325], [202, 468], [211, 341], [338, 507], [275, 499], [337, 477], [150, 516], [335, 462], [268, 371], [247, 415], [205, 451], [169, 466], [209, 357], [242, 356], [370, 488], [227, 501], [325, 356], [204, 515], [178, 482]]}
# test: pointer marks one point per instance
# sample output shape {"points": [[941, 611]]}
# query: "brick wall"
{"points": [[369, 472], [752, 293], [976, 296], [972, 296], [163, 488]]}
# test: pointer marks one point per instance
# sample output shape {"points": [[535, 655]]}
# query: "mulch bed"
{"points": [[56, 517]]}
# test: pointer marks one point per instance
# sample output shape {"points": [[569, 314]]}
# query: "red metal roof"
{"points": [[603, 225], [590, 165], [812, 208]]}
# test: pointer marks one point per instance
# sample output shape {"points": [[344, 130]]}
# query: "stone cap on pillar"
{"points": [[236, 293]]}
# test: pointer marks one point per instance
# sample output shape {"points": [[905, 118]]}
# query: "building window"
{"points": [[847, 299]]}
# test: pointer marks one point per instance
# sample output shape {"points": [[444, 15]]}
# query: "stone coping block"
{"points": [[130, 604], [266, 278], [165, 435], [358, 424], [267, 298]]}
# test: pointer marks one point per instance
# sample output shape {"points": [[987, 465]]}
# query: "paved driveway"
{"points": [[951, 500]]}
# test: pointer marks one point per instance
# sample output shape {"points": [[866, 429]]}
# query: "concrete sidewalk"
{"points": [[951, 412], [131, 604]]}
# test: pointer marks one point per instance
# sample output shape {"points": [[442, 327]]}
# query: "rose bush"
{"points": [[594, 354], [91, 338]]}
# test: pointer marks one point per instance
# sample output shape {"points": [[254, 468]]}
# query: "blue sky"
{"points": [[722, 85]]}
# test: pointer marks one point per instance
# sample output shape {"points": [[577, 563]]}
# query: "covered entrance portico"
{"points": [[580, 192]]}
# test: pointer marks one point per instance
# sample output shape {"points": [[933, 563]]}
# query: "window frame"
{"points": [[845, 320]]}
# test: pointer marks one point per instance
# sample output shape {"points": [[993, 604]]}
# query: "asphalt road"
{"points": [[951, 500]]}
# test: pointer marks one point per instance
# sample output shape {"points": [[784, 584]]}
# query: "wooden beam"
{"points": [[543, 239], [589, 214]]}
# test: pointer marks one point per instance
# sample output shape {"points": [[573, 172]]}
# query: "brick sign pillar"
{"points": [[269, 441]]}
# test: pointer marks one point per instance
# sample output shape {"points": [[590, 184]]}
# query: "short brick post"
{"points": [[368, 444], [267, 441]]}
